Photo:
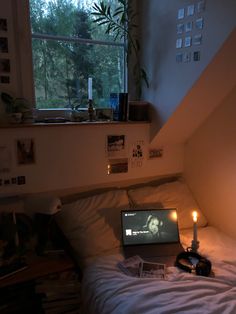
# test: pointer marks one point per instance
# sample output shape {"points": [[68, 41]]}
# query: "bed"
{"points": [[92, 226]]}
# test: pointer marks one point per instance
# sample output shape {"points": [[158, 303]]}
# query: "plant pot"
{"points": [[138, 110], [15, 117]]}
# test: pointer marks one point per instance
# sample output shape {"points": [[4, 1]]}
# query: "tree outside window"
{"points": [[68, 47]]}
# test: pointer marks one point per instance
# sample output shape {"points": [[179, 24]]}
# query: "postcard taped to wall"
{"points": [[137, 154], [5, 159], [117, 154]]}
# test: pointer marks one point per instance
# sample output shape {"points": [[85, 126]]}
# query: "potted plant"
{"points": [[15, 107], [121, 23]]}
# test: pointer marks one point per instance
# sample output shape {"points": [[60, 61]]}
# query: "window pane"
{"points": [[68, 18], [62, 66], [61, 72]]}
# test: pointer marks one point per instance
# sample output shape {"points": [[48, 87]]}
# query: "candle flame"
{"points": [[174, 216], [194, 216], [108, 169]]}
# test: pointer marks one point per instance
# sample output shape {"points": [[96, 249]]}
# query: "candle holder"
{"points": [[90, 110], [194, 246]]}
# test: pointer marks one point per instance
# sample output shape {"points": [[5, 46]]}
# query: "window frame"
{"points": [[123, 45]]}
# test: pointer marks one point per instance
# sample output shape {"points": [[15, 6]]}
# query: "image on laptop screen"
{"points": [[149, 226]]}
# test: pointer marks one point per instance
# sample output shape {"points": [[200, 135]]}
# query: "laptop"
{"points": [[153, 234]]}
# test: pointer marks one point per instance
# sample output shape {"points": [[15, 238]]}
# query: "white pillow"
{"points": [[92, 224], [170, 195]]}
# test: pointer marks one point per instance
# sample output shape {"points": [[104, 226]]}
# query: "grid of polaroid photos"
{"points": [[189, 27], [4, 52]]}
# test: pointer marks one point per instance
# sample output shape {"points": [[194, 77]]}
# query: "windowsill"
{"points": [[68, 123]]}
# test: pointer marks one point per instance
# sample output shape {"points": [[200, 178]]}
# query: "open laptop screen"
{"points": [[149, 226]]}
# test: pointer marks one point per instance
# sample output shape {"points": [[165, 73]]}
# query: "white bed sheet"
{"points": [[107, 290]]}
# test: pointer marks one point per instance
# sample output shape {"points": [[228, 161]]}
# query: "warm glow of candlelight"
{"points": [[194, 214], [108, 169], [174, 216]]}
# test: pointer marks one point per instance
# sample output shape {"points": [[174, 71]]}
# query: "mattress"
{"points": [[108, 290]]}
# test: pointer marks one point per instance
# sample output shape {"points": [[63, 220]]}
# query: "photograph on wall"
{"points": [[119, 165], [3, 45], [116, 146], [5, 65], [197, 39], [179, 43], [190, 10], [4, 79], [3, 25], [25, 149], [196, 56], [199, 23], [180, 28], [201, 6], [179, 57], [187, 41], [180, 15], [5, 159], [188, 27], [187, 57], [137, 154]]}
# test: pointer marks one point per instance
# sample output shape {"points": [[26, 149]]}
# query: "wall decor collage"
{"points": [[5, 66], [25, 154], [120, 155], [190, 23]]}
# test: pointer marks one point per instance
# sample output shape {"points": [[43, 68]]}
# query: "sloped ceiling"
{"points": [[213, 85]]}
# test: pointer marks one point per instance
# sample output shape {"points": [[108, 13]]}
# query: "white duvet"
{"points": [[107, 290]]}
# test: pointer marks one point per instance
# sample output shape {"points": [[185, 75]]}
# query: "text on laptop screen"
{"points": [[149, 226]]}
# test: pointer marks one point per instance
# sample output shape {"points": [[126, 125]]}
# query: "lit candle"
{"points": [[90, 88], [195, 226]]}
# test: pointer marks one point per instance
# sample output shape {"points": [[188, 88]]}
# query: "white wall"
{"points": [[69, 157], [170, 81], [210, 159], [204, 97]]}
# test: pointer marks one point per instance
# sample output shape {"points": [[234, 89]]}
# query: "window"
{"points": [[68, 48]]}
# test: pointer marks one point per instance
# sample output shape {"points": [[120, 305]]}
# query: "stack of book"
{"points": [[60, 293]]}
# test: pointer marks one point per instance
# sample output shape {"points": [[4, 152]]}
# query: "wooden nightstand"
{"points": [[20, 293]]}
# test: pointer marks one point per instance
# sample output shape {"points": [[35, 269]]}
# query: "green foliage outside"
{"points": [[62, 67]]}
